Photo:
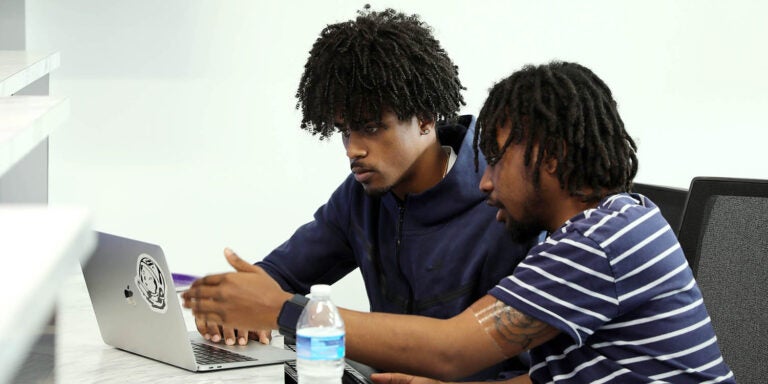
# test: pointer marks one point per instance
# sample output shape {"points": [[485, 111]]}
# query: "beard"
{"points": [[522, 232], [376, 192], [529, 224]]}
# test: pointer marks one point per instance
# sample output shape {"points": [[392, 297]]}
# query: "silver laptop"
{"points": [[137, 308]]}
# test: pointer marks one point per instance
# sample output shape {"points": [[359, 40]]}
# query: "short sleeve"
{"points": [[566, 282]]}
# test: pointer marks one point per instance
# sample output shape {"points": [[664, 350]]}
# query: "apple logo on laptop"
{"points": [[129, 295]]}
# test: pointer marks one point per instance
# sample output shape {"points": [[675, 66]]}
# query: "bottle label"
{"points": [[320, 347]]}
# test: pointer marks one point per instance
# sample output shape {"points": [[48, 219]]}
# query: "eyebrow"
{"points": [[356, 126]]}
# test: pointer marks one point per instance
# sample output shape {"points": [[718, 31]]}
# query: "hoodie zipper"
{"points": [[401, 219]]}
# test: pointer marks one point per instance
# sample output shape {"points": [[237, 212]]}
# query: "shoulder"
{"points": [[617, 216]]}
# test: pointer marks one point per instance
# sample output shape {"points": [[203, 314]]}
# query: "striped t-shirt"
{"points": [[616, 284]]}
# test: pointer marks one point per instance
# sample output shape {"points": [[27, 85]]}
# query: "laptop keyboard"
{"points": [[351, 375], [206, 354]]}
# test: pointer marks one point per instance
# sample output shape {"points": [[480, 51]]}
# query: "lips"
{"points": [[500, 214], [362, 175]]}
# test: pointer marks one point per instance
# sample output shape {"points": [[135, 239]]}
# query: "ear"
{"points": [[426, 124], [549, 164]]}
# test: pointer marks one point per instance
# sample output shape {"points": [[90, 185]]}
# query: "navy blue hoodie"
{"points": [[431, 254]]}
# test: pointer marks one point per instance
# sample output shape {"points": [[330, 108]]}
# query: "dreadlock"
{"points": [[380, 59], [570, 113]]}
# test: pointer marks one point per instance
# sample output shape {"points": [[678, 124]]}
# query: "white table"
{"points": [[19, 69], [25, 122], [37, 244]]}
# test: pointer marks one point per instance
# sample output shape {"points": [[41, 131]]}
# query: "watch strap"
{"points": [[289, 315]]}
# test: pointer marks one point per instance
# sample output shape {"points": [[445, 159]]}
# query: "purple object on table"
{"points": [[182, 281]]}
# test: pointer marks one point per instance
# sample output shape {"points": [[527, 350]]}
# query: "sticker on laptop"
{"points": [[150, 282]]}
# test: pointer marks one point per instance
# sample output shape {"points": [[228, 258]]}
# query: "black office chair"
{"points": [[724, 234], [670, 200]]}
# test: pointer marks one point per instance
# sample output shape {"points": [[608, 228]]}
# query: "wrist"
{"points": [[289, 314]]}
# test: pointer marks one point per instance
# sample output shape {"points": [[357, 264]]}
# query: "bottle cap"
{"points": [[318, 290]]}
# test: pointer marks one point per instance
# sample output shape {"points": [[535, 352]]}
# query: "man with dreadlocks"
{"points": [[409, 216], [607, 297]]}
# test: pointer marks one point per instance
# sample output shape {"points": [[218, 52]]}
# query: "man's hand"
{"points": [[239, 300], [216, 333], [399, 378]]}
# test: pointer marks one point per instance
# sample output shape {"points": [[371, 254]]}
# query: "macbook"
{"points": [[137, 309]]}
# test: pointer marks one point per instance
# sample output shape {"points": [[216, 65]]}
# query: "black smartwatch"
{"points": [[289, 315]]}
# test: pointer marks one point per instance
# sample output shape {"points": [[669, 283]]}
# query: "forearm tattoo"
{"points": [[512, 331]]}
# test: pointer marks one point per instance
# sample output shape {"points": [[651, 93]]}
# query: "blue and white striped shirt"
{"points": [[616, 284]]}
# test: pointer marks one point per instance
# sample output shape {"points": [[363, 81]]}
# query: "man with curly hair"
{"points": [[409, 216], [608, 297]]}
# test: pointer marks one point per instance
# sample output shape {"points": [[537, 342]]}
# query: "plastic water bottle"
{"points": [[320, 340]]}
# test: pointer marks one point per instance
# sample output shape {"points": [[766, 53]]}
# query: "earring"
{"points": [[425, 132]]}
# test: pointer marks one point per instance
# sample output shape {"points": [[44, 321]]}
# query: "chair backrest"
{"points": [[724, 234], [670, 200]]}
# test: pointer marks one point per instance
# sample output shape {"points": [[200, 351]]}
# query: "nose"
{"points": [[355, 146], [486, 184]]}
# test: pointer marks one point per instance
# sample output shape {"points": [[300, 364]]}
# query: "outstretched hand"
{"points": [[399, 378], [231, 336], [238, 263], [247, 299]]}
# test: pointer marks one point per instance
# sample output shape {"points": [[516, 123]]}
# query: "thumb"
{"points": [[400, 378], [381, 378], [236, 262], [389, 378]]}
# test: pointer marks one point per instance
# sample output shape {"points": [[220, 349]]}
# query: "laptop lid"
{"points": [[137, 307]]}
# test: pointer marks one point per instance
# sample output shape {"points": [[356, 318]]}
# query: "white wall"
{"points": [[183, 129]]}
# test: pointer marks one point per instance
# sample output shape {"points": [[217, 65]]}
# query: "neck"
{"points": [[428, 170], [561, 205], [570, 207], [566, 207]]}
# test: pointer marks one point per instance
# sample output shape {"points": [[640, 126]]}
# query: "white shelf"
{"points": [[21, 68], [25, 121], [38, 246]]}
